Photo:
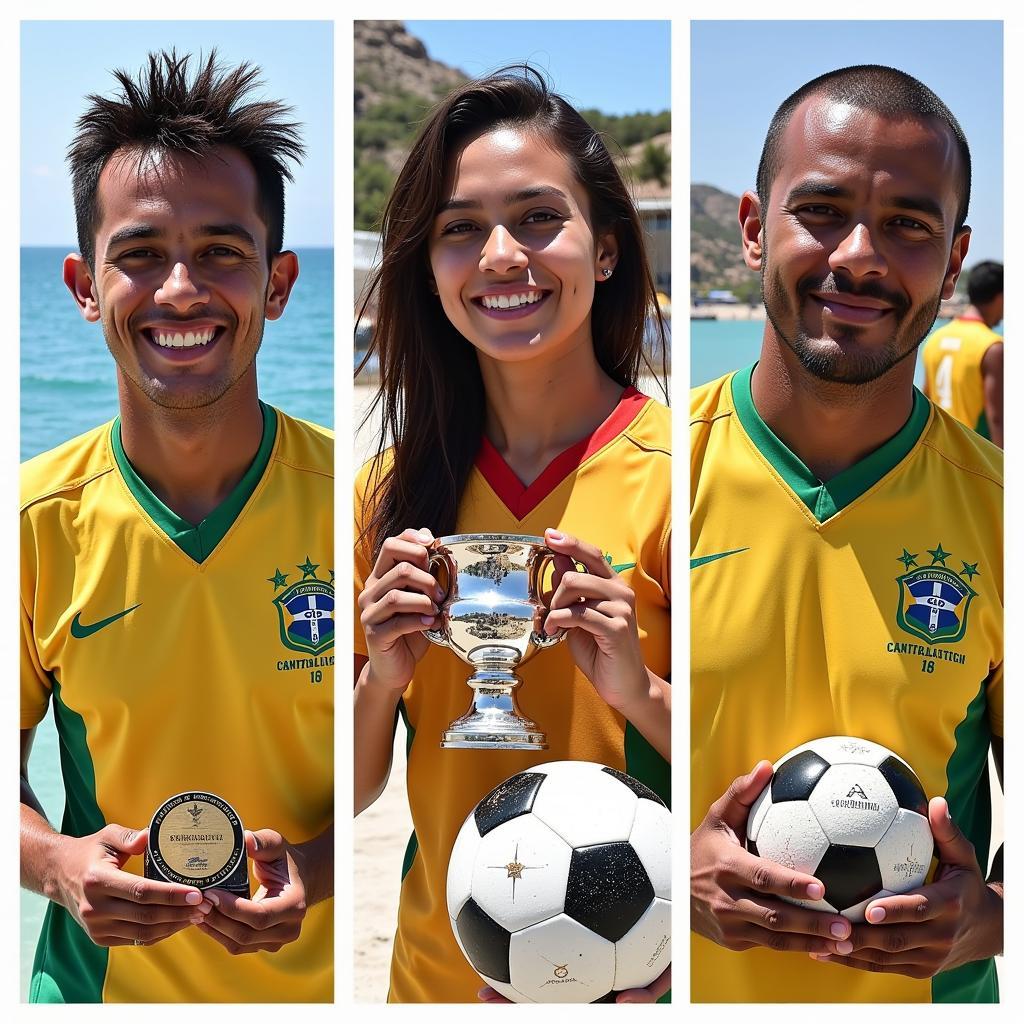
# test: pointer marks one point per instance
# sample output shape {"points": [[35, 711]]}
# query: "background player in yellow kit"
{"points": [[802, 614], [171, 660], [963, 361], [522, 420]]}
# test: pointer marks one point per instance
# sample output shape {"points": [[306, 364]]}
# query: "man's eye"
{"points": [[135, 254], [222, 250], [540, 217], [817, 210], [909, 222]]}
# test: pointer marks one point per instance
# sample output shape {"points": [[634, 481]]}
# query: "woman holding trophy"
{"points": [[512, 299]]}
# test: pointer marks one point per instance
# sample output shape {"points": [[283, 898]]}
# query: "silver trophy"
{"points": [[493, 615]]}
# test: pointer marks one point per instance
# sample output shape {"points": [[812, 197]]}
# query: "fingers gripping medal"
{"points": [[196, 838]]}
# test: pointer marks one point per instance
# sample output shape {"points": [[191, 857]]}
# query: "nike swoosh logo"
{"points": [[624, 567], [704, 559], [80, 631]]}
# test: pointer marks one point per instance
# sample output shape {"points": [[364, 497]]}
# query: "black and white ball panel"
{"points": [[484, 941], [507, 800], [646, 949], [561, 961], [642, 791], [520, 872], [651, 838], [850, 875], [796, 777], [852, 805], [900, 869], [904, 784], [791, 836], [558, 803], [608, 889]]}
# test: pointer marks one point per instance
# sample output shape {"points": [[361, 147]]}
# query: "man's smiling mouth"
{"points": [[182, 339]]}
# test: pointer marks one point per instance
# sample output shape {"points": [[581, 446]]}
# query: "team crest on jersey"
{"points": [[935, 599], [305, 609]]}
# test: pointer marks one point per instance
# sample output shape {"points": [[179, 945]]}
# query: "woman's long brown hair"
{"points": [[431, 395]]}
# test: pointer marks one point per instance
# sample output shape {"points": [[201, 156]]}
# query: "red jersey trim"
{"points": [[521, 500]]}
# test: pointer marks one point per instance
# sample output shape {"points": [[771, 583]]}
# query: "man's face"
{"points": [[181, 282], [858, 239]]}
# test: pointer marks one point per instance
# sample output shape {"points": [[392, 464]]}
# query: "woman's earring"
{"points": [[606, 271]]}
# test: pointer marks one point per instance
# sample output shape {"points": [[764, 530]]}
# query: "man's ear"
{"points": [[284, 269], [751, 228], [80, 282], [957, 255]]}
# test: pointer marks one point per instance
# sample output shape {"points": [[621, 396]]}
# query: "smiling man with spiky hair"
{"points": [[177, 589]]}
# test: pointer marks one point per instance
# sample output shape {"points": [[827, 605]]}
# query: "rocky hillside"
{"points": [[396, 84], [715, 257]]}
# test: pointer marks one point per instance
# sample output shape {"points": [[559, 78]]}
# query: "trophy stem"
{"points": [[494, 721]]}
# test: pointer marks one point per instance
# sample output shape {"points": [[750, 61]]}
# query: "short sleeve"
{"points": [[363, 552], [35, 682], [994, 695]]}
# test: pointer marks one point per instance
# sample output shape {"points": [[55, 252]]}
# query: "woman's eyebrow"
{"points": [[536, 192]]}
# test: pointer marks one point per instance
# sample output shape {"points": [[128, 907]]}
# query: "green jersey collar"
{"points": [[198, 540], [826, 499]]}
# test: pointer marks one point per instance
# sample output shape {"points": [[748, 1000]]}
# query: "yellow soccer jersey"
{"points": [[814, 613], [178, 658], [612, 490], [952, 358]]}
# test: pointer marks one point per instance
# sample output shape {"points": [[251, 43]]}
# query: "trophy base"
{"points": [[458, 740], [493, 725]]}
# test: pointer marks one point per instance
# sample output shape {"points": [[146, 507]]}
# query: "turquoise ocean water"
{"points": [[718, 346], [67, 387]]}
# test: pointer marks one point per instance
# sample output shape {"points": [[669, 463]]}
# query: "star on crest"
{"points": [[308, 568], [969, 570], [278, 579], [907, 559], [938, 555]]}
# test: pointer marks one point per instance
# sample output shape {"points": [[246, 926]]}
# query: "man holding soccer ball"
{"points": [[864, 599]]}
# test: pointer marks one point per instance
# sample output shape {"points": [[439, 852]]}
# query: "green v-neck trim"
{"points": [[824, 500], [198, 540]]}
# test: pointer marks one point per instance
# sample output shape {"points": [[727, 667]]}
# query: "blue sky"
{"points": [[741, 71], [620, 67], [62, 61]]}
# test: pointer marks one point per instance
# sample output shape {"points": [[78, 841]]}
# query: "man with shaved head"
{"points": [[817, 616]]}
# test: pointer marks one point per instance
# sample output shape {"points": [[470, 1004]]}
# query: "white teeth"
{"points": [[188, 340], [511, 301]]}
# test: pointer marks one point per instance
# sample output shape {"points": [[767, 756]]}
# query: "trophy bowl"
{"points": [[493, 615]]}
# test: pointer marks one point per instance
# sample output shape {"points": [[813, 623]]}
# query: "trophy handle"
{"points": [[538, 564], [437, 558]]}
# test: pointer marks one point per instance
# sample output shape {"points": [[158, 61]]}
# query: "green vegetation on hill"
{"points": [[384, 132]]}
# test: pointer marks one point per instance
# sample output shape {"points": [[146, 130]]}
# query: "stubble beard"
{"points": [[182, 397], [840, 359]]}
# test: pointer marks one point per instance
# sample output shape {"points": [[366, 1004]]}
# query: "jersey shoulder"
{"points": [[712, 400], [307, 447], [964, 449], [67, 468], [651, 429]]}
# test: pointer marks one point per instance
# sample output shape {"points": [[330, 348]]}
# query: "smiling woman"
{"points": [[511, 301]]}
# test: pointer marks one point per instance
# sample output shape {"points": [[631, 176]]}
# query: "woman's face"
{"points": [[513, 250]]}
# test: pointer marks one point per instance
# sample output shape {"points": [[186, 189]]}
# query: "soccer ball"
{"points": [[560, 885], [850, 812]]}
